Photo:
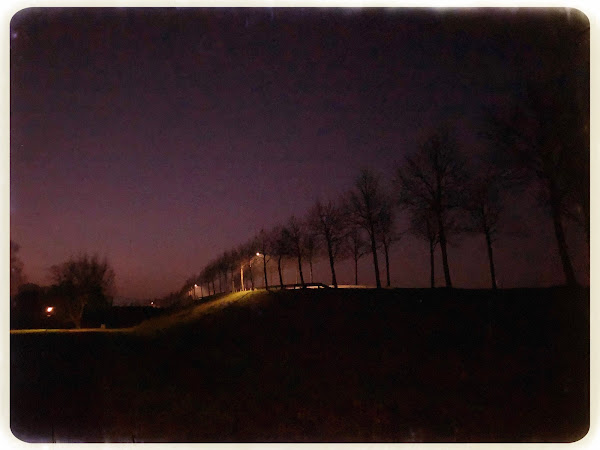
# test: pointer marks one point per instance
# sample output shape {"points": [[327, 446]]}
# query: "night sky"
{"points": [[160, 138]]}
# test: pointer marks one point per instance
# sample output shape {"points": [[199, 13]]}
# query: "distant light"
{"points": [[49, 309], [195, 285], [257, 254]]}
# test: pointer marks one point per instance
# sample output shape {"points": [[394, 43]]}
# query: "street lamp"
{"points": [[264, 269], [242, 272], [242, 277]]}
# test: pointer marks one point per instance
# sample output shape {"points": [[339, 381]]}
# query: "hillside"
{"points": [[413, 365]]}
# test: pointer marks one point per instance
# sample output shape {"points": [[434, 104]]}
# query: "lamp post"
{"points": [[242, 277], [242, 272], [264, 269]]}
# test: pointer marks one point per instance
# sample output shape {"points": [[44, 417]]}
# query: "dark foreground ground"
{"points": [[320, 365]]}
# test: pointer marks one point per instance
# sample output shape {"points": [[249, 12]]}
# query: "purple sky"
{"points": [[161, 138]]}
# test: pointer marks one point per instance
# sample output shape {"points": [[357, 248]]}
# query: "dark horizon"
{"points": [[160, 138]]}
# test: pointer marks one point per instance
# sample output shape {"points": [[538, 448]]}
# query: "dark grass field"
{"points": [[405, 365]]}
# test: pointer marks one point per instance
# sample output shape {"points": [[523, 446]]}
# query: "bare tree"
{"points": [[328, 222], [294, 232], [263, 250], [281, 249], [432, 179], [233, 264], [246, 254], [17, 277], [366, 204], [547, 131], [210, 274], [84, 281], [483, 205], [310, 247], [222, 268], [358, 247], [424, 225], [388, 235]]}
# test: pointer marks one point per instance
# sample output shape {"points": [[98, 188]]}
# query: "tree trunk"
{"points": [[251, 278], [432, 262], [356, 270], [488, 240], [300, 269], [331, 264], [265, 270], [561, 241], [375, 262], [387, 264], [311, 271], [279, 270], [442, 235]]}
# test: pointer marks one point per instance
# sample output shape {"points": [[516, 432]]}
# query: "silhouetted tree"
{"points": [[17, 276], [84, 281], [310, 248], [547, 131], [263, 247], [27, 307], [188, 287], [483, 206], [207, 277], [221, 270], [366, 204], [432, 179], [358, 247], [280, 249], [329, 223], [212, 273], [246, 253], [387, 233], [232, 261], [425, 226], [294, 234]]}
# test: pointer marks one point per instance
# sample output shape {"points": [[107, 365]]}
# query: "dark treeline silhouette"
{"points": [[540, 140], [432, 181], [434, 187], [543, 137], [83, 286]]}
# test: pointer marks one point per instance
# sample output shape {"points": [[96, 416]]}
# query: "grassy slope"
{"points": [[317, 365]]}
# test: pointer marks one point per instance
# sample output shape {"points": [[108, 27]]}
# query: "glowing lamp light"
{"points": [[49, 309]]}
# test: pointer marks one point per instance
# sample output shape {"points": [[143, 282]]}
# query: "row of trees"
{"points": [[363, 221], [541, 141], [435, 187]]}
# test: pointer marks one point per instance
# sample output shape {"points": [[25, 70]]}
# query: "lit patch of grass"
{"points": [[191, 314], [70, 330], [158, 324]]}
